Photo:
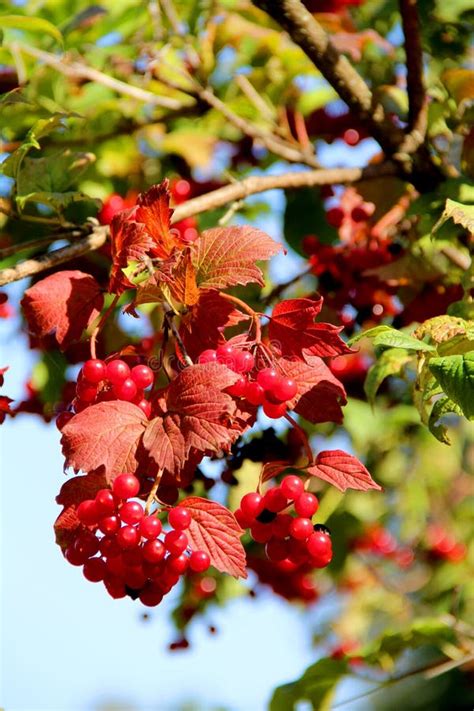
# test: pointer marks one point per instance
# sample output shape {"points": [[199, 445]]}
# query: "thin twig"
{"points": [[153, 490], [418, 108], [169, 318]]}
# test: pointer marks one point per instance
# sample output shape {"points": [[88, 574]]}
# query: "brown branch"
{"points": [[209, 201], [417, 111], [308, 34]]}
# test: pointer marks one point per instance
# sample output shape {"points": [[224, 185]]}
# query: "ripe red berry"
{"points": [[261, 532], [306, 505], [226, 354], [284, 389], [126, 390], [109, 547], [114, 586], [254, 393], [176, 542], [154, 551], [177, 564], [335, 217], [94, 371], [351, 137], [275, 500], [359, 214], [209, 356], [145, 407], [109, 524], [267, 377], [292, 486], [73, 556], [117, 371], [276, 550], [87, 544], [320, 548], [105, 502], [126, 486], [181, 190], [239, 388], [301, 529], [243, 361], [179, 518], [151, 597], [199, 561], [87, 512], [281, 525], [150, 527], [189, 235], [128, 537], [131, 512], [94, 570], [62, 419], [143, 376], [251, 505], [274, 410], [86, 391]]}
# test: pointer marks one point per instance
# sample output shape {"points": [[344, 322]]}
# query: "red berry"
{"points": [[297, 551], [143, 376], [132, 557], [181, 190], [199, 561], [281, 525], [179, 518], [276, 550], [275, 500], [151, 597], [359, 214], [94, 570], [150, 527], [109, 547], [145, 407], [267, 377], [209, 356], [116, 566], [109, 524], [128, 537], [73, 556], [114, 586], [131, 512], [351, 137], [105, 502], [251, 505], [306, 505], [284, 389], [319, 546], [292, 487], [117, 371], [243, 361], [87, 544], [226, 354], [301, 529], [239, 388], [85, 391], [126, 486], [94, 371], [335, 216], [176, 542], [189, 235], [261, 532], [254, 393], [177, 564], [274, 410], [62, 419], [87, 512], [243, 520], [126, 390]]}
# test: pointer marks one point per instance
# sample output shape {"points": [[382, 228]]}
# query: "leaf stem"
{"points": [[100, 325], [153, 490], [249, 310], [304, 437]]}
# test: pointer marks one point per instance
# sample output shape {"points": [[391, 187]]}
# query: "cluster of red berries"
{"points": [[442, 545], [291, 542], [181, 190], [377, 540], [99, 381], [270, 389], [119, 545], [295, 584]]}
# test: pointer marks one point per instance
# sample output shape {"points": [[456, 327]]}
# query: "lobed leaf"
{"points": [[342, 470]]}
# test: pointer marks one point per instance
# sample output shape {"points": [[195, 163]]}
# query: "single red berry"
{"points": [[105, 502], [267, 377], [254, 393], [276, 550], [301, 529], [335, 217], [87, 512], [199, 561], [154, 551], [251, 505], [297, 551], [131, 512], [116, 566], [274, 410], [151, 597], [94, 371], [176, 542], [243, 520], [62, 419], [292, 486], [126, 390], [73, 556], [135, 578], [284, 389], [145, 407], [177, 564], [150, 527], [126, 486], [281, 525], [128, 537], [114, 586], [359, 214], [226, 354], [142, 376], [239, 388], [319, 545], [87, 544], [109, 547], [94, 570], [243, 361], [209, 356], [86, 391], [179, 518], [306, 505], [181, 190], [109, 524], [117, 371], [132, 557], [310, 245], [286, 566], [275, 500], [261, 532], [351, 137]]}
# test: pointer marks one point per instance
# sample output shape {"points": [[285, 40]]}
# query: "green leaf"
{"points": [[459, 213], [57, 201], [390, 362], [455, 374], [305, 215], [31, 24], [443, 406], [317, 685], [54, 173], [421, 632], [387, 336]]}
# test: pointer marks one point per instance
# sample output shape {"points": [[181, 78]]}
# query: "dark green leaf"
{"points": [[455, 374]]}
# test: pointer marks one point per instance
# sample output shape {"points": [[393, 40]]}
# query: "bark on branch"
{"points": [[417, 112]]}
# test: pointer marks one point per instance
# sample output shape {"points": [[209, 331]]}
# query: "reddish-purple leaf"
{"points": [[130, 243], [320, 394], [215, 530], [342, 470], [226, 256], [64, 303], [153, 210], [72, 493], [104, 437], [293, 331]]}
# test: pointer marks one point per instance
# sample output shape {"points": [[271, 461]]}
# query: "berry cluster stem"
{"points": [[248, 310], [153, 490], [303, 435]]}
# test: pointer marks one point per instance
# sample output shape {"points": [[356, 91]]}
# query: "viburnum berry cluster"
{"points": [[127, 550]]}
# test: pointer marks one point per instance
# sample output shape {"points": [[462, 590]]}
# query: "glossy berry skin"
{"points": [[94, 570], [154, 551], [284, 389], [320, 548], [94, 371], [275, 500], [179, 518], [301, 529], [105, 502], [306, 505], [225, 354], [87, 512], [208, 356], [150, 527], [177, 564], [128, 537], [142, 376], [251, 504], [109, 524], [85, 391], [267, 378], [239, 388], [145, 407], [243, 520], [261, 532], [351, 137], [276, 550], [117, 371], [199, 561], [151, 597], [87, 544], [109, 547], [73, 556], [292, 487], [243, 361], [126, 486], [254, 393], [126, 390], [181, 190], [176, 542], [131, 512], [274, 410], [281, 525]]}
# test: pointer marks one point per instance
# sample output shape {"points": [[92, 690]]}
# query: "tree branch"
{"points": [[308, 34], [209, 201], [417, 112]]}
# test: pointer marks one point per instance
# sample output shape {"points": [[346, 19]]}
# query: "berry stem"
{"points": [[248, 310], [303, 436], [153, 490], [169, 318], [100, 325]]}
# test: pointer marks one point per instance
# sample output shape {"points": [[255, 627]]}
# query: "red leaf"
{"points": [[153, 210], [226, 256], [65, 303], [270, 470], [293, 331], [215, 530], [203, 326], [72, 493], [196, 413], [320, 395], [130, 242], [104, 437], [343, 471], [183, 286]]}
